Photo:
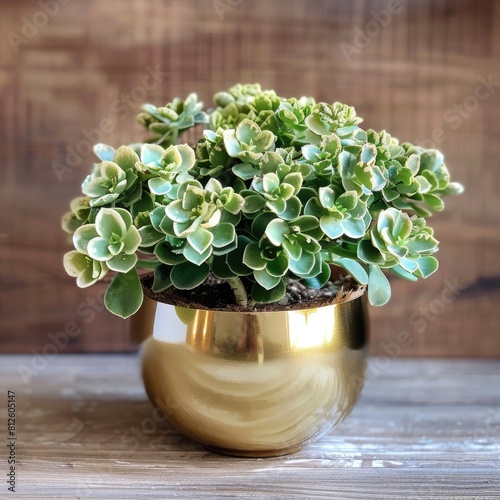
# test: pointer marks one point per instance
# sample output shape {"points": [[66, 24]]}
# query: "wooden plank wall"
{"points": [[65, 74]]}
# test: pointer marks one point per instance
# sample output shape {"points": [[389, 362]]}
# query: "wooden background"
{"points": [[66, 74]]}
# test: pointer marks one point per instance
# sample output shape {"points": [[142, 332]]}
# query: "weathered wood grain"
{"points": [[416, 77], [422, 429]]}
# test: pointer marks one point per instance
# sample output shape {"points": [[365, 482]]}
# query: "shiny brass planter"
{"points": [[253, 384]]}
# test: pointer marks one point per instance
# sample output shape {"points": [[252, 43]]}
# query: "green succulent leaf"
{"points": [[124, 294], [151, 154], [368, 153], [126, 158], [278, 266], [245, 171], [252, 257], [159, 186], [431, 160], [399, 271], [276, 231], [167, 255], [98, 249], [355, 269], [332, 227], [254, 203], [162, 279], [379, 288], [223, 234], [264, 296], [201, 239], [109, 222], [270, 182], [150, 236], [369, 254], [316, 125], [86, 270], [246, 131], [260, 224], [221, 269], [453, 188], [83, 235], [122, 263], [303, 266], [235, 259], [426, 266], [347, 200], [434, 201], [293, 249], [187, 157], [320, 280], [192, 254], [354, 228], [104, 152], [266, 280], [305, 223], [187, 275], [292, 209], [131, 240]]}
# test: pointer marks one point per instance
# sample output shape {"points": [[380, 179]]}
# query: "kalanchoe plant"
{"points": [[275, 190]]}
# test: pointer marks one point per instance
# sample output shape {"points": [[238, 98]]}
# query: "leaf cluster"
{"points": [[274, 190]]}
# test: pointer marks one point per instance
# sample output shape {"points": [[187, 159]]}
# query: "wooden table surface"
{"points": [[422, 429]]}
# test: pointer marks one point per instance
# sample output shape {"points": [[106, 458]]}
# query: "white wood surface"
{"points": [[422, 429]]}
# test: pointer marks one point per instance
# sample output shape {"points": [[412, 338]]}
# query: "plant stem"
{"points": [[239, 291]]}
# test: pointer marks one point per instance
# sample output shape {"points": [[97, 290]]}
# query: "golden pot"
{"points": [[255, 383]]}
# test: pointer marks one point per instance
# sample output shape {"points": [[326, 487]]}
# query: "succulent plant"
{"points": [[339, 214], [248, 142], [112, 239], [85, 269], [169, 121], [274, 190], [402, 241], [161, 167], [202, 219]]}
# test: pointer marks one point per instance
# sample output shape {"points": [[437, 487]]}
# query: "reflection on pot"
{"points": [[255, 384]]}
